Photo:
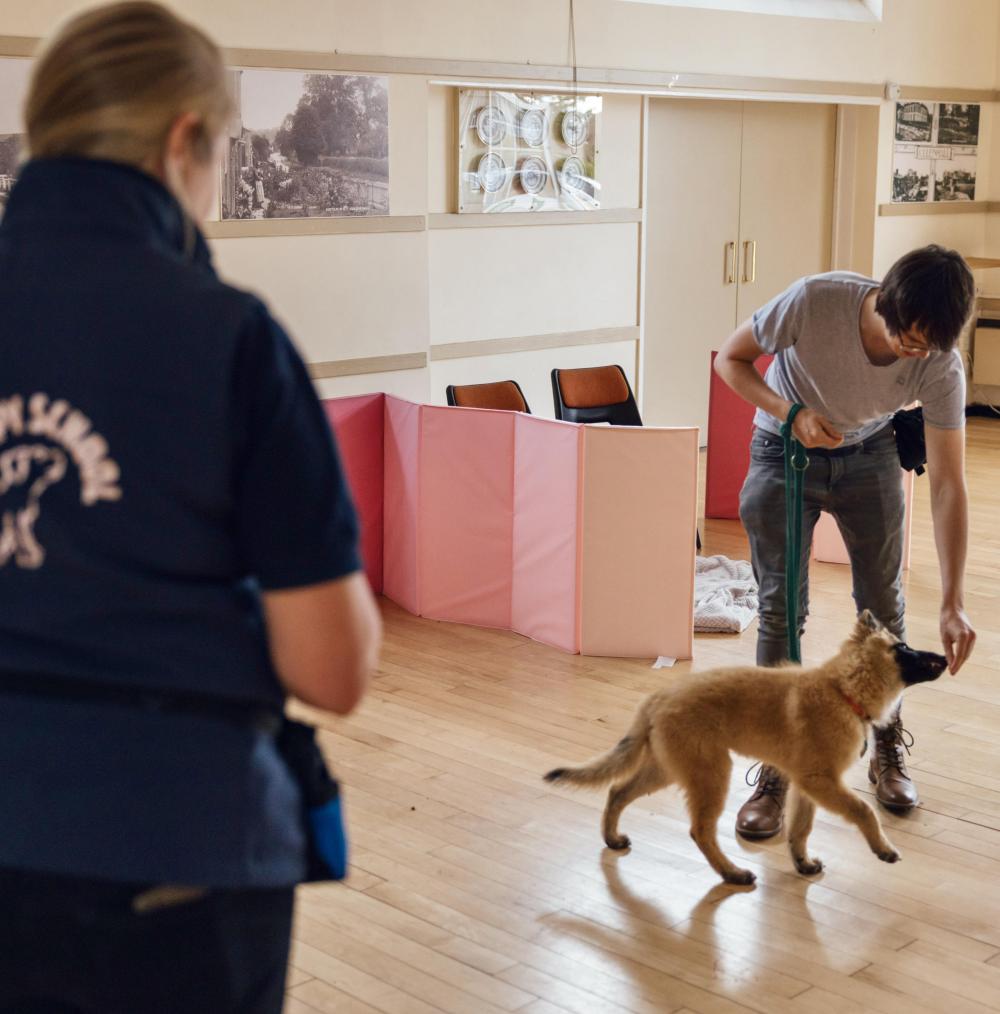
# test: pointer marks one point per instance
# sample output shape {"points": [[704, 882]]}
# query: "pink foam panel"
{"points": [[730, 421], [358, 424], [402, 500], [908, 480], [545, 589], [828, 544], [466, 515], [638, 541]]}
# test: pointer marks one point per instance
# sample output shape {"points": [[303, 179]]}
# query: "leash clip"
{"points": [[798, 458]]}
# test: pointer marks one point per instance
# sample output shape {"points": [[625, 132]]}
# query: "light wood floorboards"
{"points": [[476, 888]]}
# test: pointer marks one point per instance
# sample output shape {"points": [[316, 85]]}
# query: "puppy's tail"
{"points": [[618, 763]]}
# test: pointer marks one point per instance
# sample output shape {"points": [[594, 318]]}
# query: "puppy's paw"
{"points": [[742, 877], [889, 855], [619, 842], [808, 867]]}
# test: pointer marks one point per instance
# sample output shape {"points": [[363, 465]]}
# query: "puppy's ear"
{"points": [[865, 626], [868, 619]]}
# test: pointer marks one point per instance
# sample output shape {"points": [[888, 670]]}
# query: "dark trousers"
{"points": [[864, 493], [74, 946]]}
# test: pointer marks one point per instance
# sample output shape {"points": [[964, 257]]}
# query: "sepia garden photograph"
{"points": [[306, 145], [13, 87]]}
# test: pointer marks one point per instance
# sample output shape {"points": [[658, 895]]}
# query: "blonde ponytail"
{"points": [[111, 82]]}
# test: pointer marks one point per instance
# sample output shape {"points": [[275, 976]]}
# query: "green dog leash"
{"points": [[796, 462]]}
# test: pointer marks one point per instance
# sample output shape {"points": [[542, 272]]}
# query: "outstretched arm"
{"points": [[950, 511]]}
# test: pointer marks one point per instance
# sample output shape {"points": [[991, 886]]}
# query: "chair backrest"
{"points": [[504, 394], [593, 395]]}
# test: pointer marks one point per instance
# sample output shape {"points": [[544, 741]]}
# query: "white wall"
{"points": [[410, 384], [535, 280], [341, 297]]}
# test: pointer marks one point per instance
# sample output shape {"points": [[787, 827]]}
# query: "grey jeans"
{"points": [[864, 493]]}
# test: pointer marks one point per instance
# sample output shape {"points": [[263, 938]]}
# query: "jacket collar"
{"points": [[98, 198]]}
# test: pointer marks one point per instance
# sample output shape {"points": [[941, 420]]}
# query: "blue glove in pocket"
{"points": [[329, 838], [326, 855]]}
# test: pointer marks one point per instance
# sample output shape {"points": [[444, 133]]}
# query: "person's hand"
{"points": [[812, 430], [957, 636]]}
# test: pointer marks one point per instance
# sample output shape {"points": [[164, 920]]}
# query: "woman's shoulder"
{"points": [[217, 304]]}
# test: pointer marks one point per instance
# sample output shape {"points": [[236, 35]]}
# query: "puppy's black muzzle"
{"points": [[918, 666]]}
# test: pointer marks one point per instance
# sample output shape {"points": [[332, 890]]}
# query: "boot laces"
{"points": [[890, 743], [768, 780]]}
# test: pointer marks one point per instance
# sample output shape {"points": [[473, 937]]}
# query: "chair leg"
{"points": [[697, 540]]}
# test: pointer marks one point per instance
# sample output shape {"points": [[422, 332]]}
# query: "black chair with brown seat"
{"points": [[505, 395], [597, 394]]}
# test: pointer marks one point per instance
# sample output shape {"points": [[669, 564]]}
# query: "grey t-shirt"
{"points": [[813, 329]]}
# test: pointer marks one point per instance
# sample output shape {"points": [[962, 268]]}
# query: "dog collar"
{"points": [[855, 707]]}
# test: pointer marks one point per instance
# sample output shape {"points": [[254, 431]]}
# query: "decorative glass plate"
{"points": [[532, 127], [491, 172], [491, 125], [533, 175], [574, 128], [571, 174]]}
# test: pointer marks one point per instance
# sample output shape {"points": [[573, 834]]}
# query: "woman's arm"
{"points": [[325, 640]]}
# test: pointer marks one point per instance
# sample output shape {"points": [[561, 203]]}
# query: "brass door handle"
{"points": [[729, 268], [749, 260]]}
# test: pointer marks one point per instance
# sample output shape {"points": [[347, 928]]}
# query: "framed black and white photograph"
{"points": [[958, 123], [14, 74], [955, 177], [914, 121], [304, 145], [935, 152], [911, 178]]}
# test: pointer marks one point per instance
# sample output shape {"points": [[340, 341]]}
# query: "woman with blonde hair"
{"points": [[178, 552]]}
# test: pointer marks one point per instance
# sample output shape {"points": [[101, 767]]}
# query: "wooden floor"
{"points": [[477, 888]]}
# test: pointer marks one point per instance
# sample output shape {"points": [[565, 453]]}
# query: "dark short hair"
{"points": [[931, 289]]}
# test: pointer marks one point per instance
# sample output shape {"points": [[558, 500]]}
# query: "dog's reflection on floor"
{"points": [[665, 945]]}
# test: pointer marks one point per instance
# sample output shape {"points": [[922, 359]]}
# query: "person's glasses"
{"points": [[909, 343]]}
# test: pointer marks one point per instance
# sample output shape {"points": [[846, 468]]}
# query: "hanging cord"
{"points": [[796, 463], [572, 42], [572, 58]]}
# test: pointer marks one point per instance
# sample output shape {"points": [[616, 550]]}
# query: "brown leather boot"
{"points": [[762, 815], [894, 788]]}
